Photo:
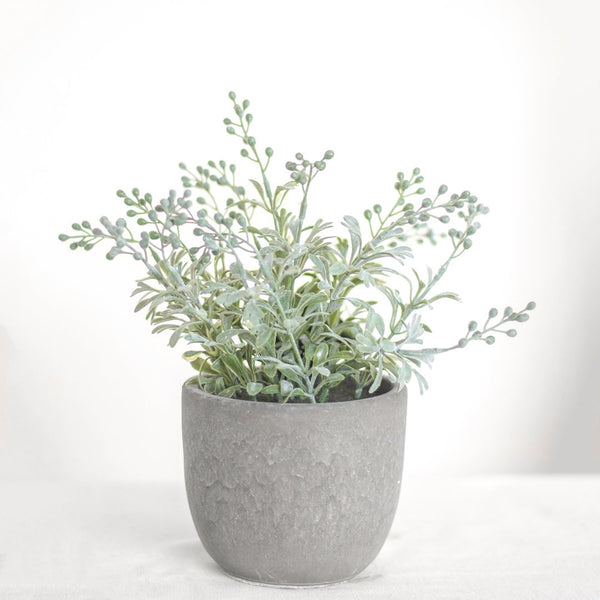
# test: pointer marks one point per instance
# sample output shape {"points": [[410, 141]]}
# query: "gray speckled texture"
{"points": [[293, 494]]}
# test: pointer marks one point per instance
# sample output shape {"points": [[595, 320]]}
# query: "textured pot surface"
{"points": [[293, 494]]}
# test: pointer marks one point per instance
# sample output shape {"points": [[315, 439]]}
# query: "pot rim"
{"points": [[394, 389]]}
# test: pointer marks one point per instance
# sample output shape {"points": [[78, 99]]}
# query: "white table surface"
{"points": [[518, 537]]}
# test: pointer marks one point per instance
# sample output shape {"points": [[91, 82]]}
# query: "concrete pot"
{"points": [[293, 494]]}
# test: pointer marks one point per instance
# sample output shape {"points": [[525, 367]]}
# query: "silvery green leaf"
{"points": [[254, 387], [338, 269], [259, 188], [285, 387]]}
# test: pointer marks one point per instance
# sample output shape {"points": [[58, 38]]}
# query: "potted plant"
{"points": [[293, 424]]}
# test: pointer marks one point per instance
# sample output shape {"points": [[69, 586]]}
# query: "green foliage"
{"points": [[273, 307]]}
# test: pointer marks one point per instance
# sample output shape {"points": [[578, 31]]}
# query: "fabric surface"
{"points": [[495, 538]]}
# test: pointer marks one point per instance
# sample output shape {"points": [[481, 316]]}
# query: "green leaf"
{"points": [[338, 269], [254, 387], [355, 236], [259, 188], [285, 387]]}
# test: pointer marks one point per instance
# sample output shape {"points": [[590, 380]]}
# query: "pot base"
{"points": [[289, 586]]}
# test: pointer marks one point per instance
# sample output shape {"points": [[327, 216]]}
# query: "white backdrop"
{"points": [[498, 97]]}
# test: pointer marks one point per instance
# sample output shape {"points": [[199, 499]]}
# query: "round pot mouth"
{"points": [[389, 389]]}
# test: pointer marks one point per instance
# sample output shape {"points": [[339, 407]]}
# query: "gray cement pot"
{"points": [[293, 494]]}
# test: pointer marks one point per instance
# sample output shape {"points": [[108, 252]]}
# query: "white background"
{"points": [[498, 97]]}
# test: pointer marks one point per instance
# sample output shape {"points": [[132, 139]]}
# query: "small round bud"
{"points": [[472, 325], [522, 318], [249, 118], [121, 223], [400, 176], [368, 215], [246, 104], [131, 213], [465, 194], [493, 313], [227, 121], [421, 191], [230, 129], [420, 179], [299, 156], [467, 244], [426, 203], [471, 230], [137, 256], [121, 194], [508, 311], [76, 226], [295, 176], [218, 218], [328, 155], [73, 245], [63, 237], [530, 306], [416, 171], [320, 165], [445, 219], [269, 151], [490, 339], [232, 95], [442, 189], [377, 209], [462, 342], [511, 333], [290, 166]]}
